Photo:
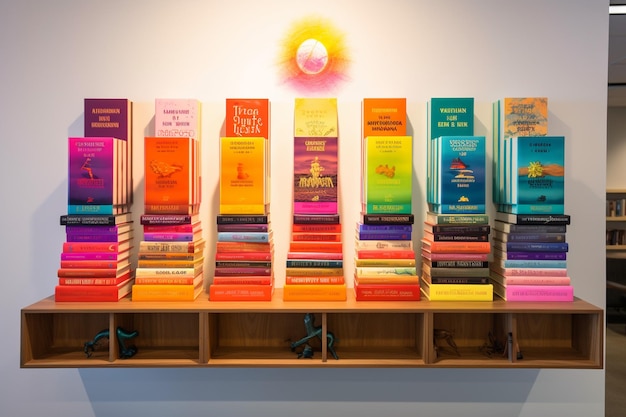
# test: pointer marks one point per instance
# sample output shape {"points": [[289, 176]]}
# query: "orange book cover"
{"points": [[171, 176], [315, 237], [456, 247], [92, 272], [243, 247], [247, 117], [243, 177], [316, 228], [384, 117], [92, 293], [166, 292], [315, 117], [314, 292], [391, 292], [240, 292]]}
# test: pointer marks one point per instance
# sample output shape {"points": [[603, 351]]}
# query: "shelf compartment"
{"points": [[559, 340], [58, 340], [259, 338], [470, 339], [381, 339]]}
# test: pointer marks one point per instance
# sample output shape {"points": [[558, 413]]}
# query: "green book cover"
{"points": [[387, 174]]}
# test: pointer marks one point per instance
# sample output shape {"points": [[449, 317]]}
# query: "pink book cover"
{"points": [[539, 293], [177, 117], [315, 175]]}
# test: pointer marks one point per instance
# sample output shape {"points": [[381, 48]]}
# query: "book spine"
{"points": [[378, 271], [385, 262], [89, 256], [446, 237], [316, 219], [168, 236], [243, 237], [238, 292], [315, 255], [308, 271], [459, 280], [303, 280], [164, 292], [336, 247], [314, 263], [457, 247], [316, 228], [455, 256], [383, 236], [533, 263], [178, 228], [228, 271], [458, 229], [93, 281], [534, 280], [243, 256], [460, 292], [241, 219], [316, 237], [385, 254], [376, 219], [243, 264], [511, 272], [167, 263], [87, 220], [165, 280], [165, 219], [531, 237], [178, 247], [169, 256], [90, 247], [90, 264], [315, 292], [243, 280], [555, 256], [81, 237], [91, 230], [387, 279], [381, 292], [540, 293], [536, 247], [243, 227], [384, 228], [458, 264], [537, 219], [456, 219], [383, 244], [243, 247]]}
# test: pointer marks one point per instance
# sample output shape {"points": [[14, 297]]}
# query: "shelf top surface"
{"points": [[202, 304]]}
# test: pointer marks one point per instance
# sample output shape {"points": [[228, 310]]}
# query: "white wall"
{"points": [[54, 54]]}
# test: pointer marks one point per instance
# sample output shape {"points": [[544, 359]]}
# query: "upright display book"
{"points": [[534, 175], [315, 117], [514, 116], [96, 169], [450, 116], [171, 176], [112, 117], [315, 175], [243, 176], [458, 180], [387, 174], [383, 117], [177, 117]]}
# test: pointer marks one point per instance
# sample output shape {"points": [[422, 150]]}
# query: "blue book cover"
{"points": [[535, 180], [537, 246], [262, 237], [384, 228], [459, 180]]}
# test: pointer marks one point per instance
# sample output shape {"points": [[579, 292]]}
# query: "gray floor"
{"points": [[615, 370]]}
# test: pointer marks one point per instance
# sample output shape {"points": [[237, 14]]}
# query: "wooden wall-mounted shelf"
{"points": [[368, 334]]}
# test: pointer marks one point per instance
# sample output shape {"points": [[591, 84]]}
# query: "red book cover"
{"points": [[236, 292], [315, 255], [243, 256], [94, 281], [92, 272], [456, 247], [95, 256], [295, 246], [229, 271], [247, 117], [92, 293], [383, 292], [316, 228], [94, 264]]}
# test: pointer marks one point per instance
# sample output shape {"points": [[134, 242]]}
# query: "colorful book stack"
{"points": [[385, 266], [95, 262], [315, 257], [530, 182], [530, 257], [171, 255], [244, 248], [455, 246]]}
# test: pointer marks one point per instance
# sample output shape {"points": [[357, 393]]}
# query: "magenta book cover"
{"points": [[315, 169], [108, 117], [92, 175]]}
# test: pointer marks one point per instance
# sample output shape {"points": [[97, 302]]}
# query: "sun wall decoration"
{"points": [[313, 56]]}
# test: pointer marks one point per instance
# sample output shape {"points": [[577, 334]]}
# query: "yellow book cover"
{"points": [[243, 175], [457, 292], [166, 292], [315, 117], [314, 292]]}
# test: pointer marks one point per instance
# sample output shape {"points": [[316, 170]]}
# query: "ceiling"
{"points": [[617, 59]]}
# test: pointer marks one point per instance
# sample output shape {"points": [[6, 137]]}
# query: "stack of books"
{"points": [[314, 269], [455, 257], [530, 240], [530, 257], [95, 261], [171, 253], [244, 248], [455, 246], [385, 265]]}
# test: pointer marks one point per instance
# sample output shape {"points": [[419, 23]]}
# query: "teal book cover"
{"points": [[537, 175], [387, 174], [460, 174]]}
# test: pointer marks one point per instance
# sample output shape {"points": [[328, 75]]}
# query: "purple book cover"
{"points": [[91, 230], [554, 256], [92, 175], [93, 256], [315, 167], [99, 237]]}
